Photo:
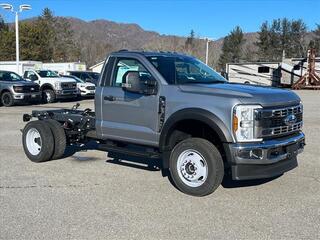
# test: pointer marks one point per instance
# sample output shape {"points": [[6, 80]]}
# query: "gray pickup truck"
{"points": [[14, 89], [175, 108]]}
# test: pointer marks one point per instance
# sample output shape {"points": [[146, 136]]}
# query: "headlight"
{"points": [[57, 85], [18, 89], [243, 123]]}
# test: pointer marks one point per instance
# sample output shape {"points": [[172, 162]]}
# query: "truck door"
{"points": [[131, 117]]}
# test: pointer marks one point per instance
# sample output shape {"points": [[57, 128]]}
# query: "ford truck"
{"points": [[175, 108]]}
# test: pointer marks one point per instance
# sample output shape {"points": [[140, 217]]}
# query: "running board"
{"points": [[129, 151]]}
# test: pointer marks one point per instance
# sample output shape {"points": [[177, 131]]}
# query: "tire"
{"points": [[7, 99], [59, 137], [38, 141], [48, 96], [196, 167]]}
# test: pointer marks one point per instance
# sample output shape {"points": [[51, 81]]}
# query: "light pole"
{"points": [[207, 47], [22, 7]]}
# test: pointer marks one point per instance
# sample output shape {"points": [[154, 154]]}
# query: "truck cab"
{"points": [[53, 86], [174, 107]]}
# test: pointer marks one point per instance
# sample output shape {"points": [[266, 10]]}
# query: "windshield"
{"points": [[75, 78], [47, 74], [185, 70], [94, 75], [10, 76]]}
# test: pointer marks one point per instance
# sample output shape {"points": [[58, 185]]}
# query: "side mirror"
{"points": [[33, 77], [133, 82]]}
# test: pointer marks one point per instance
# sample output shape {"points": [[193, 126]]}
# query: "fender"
{"points": [[47, 85], [195, 114]]}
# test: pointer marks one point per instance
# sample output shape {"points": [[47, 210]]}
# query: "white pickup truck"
{"points": [[52, 86]]}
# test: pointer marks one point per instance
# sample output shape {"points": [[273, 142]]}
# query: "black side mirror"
{"points": [[33, 77]]}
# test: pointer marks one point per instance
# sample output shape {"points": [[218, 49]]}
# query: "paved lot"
{"points": [[87, 196]]}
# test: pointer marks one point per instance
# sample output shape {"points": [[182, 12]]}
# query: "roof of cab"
{"points": [[151, 53]]}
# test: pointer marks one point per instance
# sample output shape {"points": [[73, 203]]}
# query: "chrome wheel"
{"points": [[33, 141], [48, 96], [192, 168]]}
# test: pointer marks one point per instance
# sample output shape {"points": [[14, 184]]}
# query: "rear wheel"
{"points": [[196, 167], [48, 96], [59, 137], [38, 141], [7, 99]]}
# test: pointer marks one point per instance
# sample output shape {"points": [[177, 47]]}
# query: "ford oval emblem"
{"points": [[290, 120]]}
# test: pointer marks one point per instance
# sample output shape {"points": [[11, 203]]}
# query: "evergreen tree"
{"points": [[281, 35], [3, 26], [232, 48], [190, 42]]}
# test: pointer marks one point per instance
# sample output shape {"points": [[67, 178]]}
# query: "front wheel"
{"points": [[7, 99], [48, 96], [196, 167]]}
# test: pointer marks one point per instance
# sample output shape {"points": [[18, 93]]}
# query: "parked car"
{"points": [[175, 108], [86, 89], [86, 76], [14, 89], [52, 86]]}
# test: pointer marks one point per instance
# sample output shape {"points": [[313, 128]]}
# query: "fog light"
{"points": [[251, 154]]}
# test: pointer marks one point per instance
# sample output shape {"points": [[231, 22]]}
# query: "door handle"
{"points": [[109, 98]]}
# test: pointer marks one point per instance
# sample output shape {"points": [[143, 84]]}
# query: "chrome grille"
{"points": [[286, 111], [273, 122], [68, 85]]}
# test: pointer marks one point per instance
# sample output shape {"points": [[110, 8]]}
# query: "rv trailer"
{"points": [[259, 73], [275, 74]]}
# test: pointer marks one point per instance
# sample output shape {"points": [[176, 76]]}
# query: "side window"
{"points": [[30, 75], [124, 65], [263, 69], [25, 75]]}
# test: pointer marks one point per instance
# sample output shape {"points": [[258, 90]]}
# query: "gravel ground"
{"points": [[89, 196]]}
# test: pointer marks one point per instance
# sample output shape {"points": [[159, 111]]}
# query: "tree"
{"points": [[7, 42], [189, 44], [232, 47], [315, 42], [3, 26], [281, 35]]}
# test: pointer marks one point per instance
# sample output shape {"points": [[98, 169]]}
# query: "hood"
{"points": [[245, 93], [86, 84], [19, 83], [60, 79]]}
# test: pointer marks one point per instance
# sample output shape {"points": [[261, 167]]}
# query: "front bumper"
{"points": [[60, 94], [22, 97], [87, 93], [265, 159]]}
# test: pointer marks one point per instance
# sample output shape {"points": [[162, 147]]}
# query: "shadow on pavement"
{"points": [[229, 183]]}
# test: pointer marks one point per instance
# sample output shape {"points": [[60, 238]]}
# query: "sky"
{"points": [[213, 19]]}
